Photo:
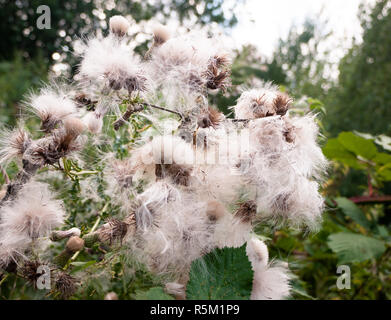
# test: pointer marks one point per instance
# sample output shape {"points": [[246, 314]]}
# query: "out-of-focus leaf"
{"points": [[358, 145], [220, 275], [385, 172], [351, 247], [350, 209], [316, 105], [382, 158], [334, 150]]}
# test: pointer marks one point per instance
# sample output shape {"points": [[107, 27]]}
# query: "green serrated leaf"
{"points": [[350, 209], [351, 247], [156, 293], [358, 145], [334, 150], [220, 275]]}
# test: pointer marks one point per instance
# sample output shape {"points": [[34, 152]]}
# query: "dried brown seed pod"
{"points": [[30, 272], [74, 244], [246, 211], [180, 174], [65, 284], [210, 118], [282, 103]]}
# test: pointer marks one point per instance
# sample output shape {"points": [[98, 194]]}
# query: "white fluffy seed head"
{"points": [[93, 122], [74, 126], [13, 144], [271, 282], [167, 151], [51, 104], [160, 35], [179, 68], [262, 102], [119, 25], [231, 232], [33, 214], [109, 63], [257, 252], [285, 166]]}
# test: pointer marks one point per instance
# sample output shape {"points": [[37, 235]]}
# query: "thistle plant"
{"points": [[171, 177]]}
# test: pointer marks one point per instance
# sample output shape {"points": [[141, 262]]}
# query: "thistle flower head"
{"points": [[166, 156], [65, 284], [263, 102], [113, 231], [74, 244], [13, 144], [62, 234], [183, 68], [49, 149], [271, 280], [29, 271], [257, 252], [246, 211], [160, 35], [109, 63], [33, 214], [51, 105], [119, 25], [74, 127], [94, 122], [209, 117]]}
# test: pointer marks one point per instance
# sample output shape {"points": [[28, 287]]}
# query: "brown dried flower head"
{"points": [[246, 211], [65, 284], [75, 244], [210, 118]]}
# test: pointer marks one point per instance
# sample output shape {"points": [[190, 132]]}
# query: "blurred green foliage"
{"points": [[17, 77], [362, 99]]}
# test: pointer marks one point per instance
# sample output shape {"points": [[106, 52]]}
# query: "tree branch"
{"points": [[138, 107], [371, 199]]}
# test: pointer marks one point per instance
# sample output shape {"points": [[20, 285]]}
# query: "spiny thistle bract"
{"points": [[188, 181]]}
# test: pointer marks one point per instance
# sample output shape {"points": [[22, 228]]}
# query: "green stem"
{"points": [[94, 227]]}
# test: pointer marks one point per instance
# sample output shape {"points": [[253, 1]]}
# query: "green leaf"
{"points": [[222, 274], [358, 145], [351, 247], [382, 158], [156, 293], [350, 209], [385, 172], [316, 105], [334, 150]]}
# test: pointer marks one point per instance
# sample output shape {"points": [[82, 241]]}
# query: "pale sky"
{"points": [[263, 22]]}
